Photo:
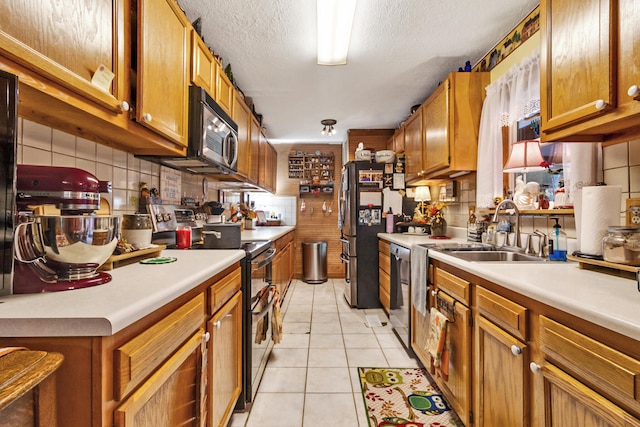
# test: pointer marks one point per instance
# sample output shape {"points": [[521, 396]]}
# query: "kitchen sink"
{"points": [[495, 256]]}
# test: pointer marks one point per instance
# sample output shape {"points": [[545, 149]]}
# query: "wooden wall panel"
{"points": [[313, 225]]}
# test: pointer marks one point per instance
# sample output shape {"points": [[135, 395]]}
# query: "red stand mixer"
{"points": [[61, 252]]}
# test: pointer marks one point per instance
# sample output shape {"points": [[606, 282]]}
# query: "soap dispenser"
{"points": [[557, 243]]}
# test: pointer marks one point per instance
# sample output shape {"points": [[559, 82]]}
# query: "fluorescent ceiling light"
{"points": [[335, 18]]}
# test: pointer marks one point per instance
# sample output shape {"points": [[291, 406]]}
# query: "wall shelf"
{"points": [[307, 166]]}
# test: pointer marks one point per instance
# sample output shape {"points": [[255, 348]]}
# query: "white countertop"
{"points": [[266, 233], [134, 291], [610, 301]]}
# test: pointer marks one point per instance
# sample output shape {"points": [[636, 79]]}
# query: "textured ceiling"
{"points": [[399, 51]]}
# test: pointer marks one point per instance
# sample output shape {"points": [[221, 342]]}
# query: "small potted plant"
{"points": [[249, 216]]}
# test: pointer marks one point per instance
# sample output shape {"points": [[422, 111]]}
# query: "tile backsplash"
{"points": [[42, 145]]}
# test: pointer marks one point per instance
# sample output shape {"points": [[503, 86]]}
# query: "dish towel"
{"points": [[419, 277], [262, 325], [276, 321], [438, 343]]}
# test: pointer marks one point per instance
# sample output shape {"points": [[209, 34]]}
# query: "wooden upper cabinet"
{"points": [[268, 165], [451, 123], [163, 69], [413, 139], [254, 164], [588, 70], [203, 65], [67, 42], [398, 141], [242, 117], [224, 90]]}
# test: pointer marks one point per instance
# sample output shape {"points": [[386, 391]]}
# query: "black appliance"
{"points": [[256, 283], [360, 220], [213, 139], [8, 145]]}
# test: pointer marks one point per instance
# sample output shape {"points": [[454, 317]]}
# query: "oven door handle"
{"points": [[261, 262]]}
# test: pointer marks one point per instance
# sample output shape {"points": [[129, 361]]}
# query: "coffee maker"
{"points": [[61, 252]]}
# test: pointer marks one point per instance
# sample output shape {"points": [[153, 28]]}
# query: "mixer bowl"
{"points": [[78, 244]]}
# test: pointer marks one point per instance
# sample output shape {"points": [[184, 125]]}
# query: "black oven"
{"points": [[259, 296]]}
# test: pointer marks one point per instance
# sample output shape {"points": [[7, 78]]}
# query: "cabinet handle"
{"points": [[516, 350], [217, 324], [124, 106], [207, 336], [434, 293], [633, 91], [600, 104], [535, 368], [147, 118]]}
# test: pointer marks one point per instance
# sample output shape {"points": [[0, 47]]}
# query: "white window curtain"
{"points": [[512, 97]]}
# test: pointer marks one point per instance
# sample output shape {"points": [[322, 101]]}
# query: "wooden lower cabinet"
{"points": [[172, 395], [158, 371], [569, 403], [501, 377], [530, 365], [225, 360], [456, 387], [384, 274]]}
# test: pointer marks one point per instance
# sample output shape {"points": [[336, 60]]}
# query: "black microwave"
{"points": [[213, 138]]}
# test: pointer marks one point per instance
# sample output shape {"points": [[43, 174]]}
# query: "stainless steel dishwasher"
{"points": [[400, 306]]}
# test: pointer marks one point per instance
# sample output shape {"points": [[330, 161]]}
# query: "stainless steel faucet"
{"points": [[517, 213]]}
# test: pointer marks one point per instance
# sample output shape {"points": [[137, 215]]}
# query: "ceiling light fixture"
{"points": [[328, 125], [335, 18]]}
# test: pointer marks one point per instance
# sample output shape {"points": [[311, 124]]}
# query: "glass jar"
{"points": [[622, 245]]}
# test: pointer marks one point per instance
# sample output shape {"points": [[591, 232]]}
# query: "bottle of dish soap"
{"points": [[557, 243]]}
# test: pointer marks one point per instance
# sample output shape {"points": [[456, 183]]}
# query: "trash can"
{"points": [[314, 262]]}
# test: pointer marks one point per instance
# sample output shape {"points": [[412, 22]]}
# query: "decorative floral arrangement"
{"points": [[247, 212], [436, 212]]}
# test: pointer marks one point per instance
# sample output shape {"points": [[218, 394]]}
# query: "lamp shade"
{"points": [[525, 157], [423, 194]]}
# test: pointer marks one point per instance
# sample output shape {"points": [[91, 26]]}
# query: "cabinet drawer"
{"points": [[385, 289], [384, 262], [384, 246], [456, 287], [223, 290], [505, 313], [140, 356], [597, 365]]}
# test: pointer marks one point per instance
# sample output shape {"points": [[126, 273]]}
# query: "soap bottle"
{"points": [[557, 243], [390, 221]]}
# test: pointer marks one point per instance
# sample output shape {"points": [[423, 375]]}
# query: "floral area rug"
{"points": [[404, 397]]}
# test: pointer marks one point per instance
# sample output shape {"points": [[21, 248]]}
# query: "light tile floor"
{"points": [[311, 379]]}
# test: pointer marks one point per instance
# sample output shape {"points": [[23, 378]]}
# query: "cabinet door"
{"points": [[242, 117], [254, 164], [569, 403], [203, 67], [67, 42], [225, 360], [628, 48], [224, 91], [457, 387], [171, 396], [398, 141], [413, 146], [501, 382], [576, 62], [162, 73], [435, 121]]}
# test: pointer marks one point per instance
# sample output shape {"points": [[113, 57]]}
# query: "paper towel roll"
{"points": [[600, 208]]}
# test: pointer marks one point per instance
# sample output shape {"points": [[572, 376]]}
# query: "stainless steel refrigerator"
{"points": [[360, 221]]}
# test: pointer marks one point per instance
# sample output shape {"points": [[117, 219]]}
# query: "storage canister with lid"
{"points": [[622, 245], [137, 230]]}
